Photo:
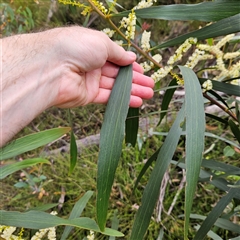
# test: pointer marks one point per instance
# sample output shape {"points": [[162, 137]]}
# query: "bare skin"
{"points": [[63, 67]]}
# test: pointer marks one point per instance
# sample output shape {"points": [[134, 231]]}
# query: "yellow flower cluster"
{"points": [[216, 52], [207, 85], [71, 2], [182, 49], [6, 232], [145, 40], [203, 52], [119, 42], [130, 24], [50, 232], [148, 66], [91, 236], [108, 32], [163, 72], [197, 56], [86, 9], [100, 6], [144, 4]]}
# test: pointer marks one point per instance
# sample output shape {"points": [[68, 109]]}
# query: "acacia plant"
{"points": [[206, 65]]}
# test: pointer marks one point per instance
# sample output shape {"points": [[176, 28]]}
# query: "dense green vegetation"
{"points": [[43, 184]]}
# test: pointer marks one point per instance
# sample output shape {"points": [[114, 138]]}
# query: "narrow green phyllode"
{"points": [[195, 129], [111, 139]]}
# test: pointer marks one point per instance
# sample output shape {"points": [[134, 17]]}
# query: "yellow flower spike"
{"points": [[144, 4], [108, 32], [180, 81], [197, 56], [224, 40], [182, 49], [207, 85], [145, 40], [20, 234], [161, 73], [130, 24], [86, 9], [111, 8], [100, 6], [7, 232], [70, 2]]}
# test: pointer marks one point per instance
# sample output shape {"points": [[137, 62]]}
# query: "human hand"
{"points": [[91, 62], [64, 67]]}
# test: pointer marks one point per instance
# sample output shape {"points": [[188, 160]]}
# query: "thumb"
{"points": [[118, 55]]}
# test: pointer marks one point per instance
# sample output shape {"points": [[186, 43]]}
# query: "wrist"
{"points": [[27, 77]]}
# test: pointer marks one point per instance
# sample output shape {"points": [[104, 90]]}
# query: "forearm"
{"points": [[24, 82], [64, 67]]}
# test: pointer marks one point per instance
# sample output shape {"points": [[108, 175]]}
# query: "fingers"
{"points": [[135, 102], [109, 72], [142, 80], [138, 93], [141, 91], [104, 94], [138, 68]]}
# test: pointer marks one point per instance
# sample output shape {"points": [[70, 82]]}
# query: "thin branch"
{"points": [[212, 100]]}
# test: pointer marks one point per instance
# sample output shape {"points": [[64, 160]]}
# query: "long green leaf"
{"points": [[145, 167], [209, 177], [76, 212], [218, 97], [220, 166], [220, 28], [195, 128], [206, 11], [132, 124], [32, 141], [40, 220], [11, 168], [151, 192], [207, 134], [220, 183], [73, 145], [73, 152], [111, 139], [237, 105], [219, 119], [221, 223], [227, 88], [235, 129], [44, 207], [236, 238], [210, 234], [167, 99], [115, 224], [215, 213]]}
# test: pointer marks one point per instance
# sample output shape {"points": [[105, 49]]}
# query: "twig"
{"points": [[161, 196], [181, 186], [212, 100]]}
